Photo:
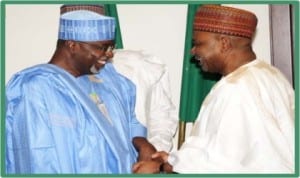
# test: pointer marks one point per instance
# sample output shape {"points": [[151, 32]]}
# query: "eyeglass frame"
{"points": [[103, 47]]}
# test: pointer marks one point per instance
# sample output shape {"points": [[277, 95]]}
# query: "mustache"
{"points": [[198, 58], [94, 69]]}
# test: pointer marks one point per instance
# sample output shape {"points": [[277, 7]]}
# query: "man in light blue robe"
{"points": [[53, 126], [114, 95], [154, 106]]}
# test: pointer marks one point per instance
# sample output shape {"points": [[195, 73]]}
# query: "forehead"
{"points": [[202, 35], [108, 42]]}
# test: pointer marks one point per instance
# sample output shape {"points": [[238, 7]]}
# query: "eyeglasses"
{"points": [[103, 47]]}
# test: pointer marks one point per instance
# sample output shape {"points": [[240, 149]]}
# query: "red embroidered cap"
{"points": [[94, 8], [225, 20]]}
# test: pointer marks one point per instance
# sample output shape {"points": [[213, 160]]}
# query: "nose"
{"points": [[106, 55], [109, 54]]}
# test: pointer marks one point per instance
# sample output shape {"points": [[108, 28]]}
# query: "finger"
{"points": [[161, 155], [136, 166], [158, 159], [156, 155]]}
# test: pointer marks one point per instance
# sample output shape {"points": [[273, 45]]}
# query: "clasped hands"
{"points": [[157, 164]]}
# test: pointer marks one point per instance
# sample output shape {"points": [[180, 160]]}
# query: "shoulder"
{"points": [[136, 58], [109, 73], [258, 74], [38, 79], [139, 64]]}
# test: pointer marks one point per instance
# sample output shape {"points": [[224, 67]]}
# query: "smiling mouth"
{"points": [[95, 68], [199, 59], [102, 62]]}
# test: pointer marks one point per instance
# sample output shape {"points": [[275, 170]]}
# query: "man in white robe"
{"points": [[246, 123], [154, 107]]}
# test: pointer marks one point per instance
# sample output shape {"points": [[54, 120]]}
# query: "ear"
{"points": [[226, 43], [71, 45]]}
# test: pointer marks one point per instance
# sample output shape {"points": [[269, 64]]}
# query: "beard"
{"points": [[102, 61], [202, 63], [94, 70]]}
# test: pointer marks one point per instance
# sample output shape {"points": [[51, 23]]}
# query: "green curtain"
{"points": [[195, 84], [111, 10]]}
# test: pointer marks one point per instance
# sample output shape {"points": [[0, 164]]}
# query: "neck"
{"points": [[238, 59], [61, 59]]}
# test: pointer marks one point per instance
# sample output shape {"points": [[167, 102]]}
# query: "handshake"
{"points": [[157, 164]]}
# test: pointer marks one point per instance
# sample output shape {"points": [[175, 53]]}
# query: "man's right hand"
{"points": [[147, 167], [162, 156]]}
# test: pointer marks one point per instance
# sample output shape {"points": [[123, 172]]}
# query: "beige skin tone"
{"points": [[216, 53]]}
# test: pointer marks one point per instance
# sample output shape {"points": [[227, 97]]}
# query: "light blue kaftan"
{"points": [[52, 126]]}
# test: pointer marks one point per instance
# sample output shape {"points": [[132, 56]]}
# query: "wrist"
{"points": [[138, 142], [142, 143]]}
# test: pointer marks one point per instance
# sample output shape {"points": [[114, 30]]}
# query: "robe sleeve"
{"points": [[137, 129], [162, 121], [233, 134], [30, 146]]}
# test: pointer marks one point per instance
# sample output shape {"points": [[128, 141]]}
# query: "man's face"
{"points": [[94, 55], [206, 49]]}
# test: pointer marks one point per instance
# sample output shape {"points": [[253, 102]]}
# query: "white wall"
{"points": [[261, 43], [31, 34], [162, 34]]}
